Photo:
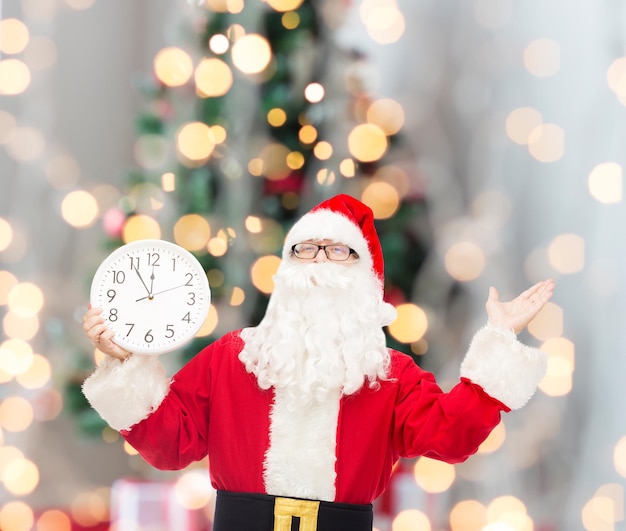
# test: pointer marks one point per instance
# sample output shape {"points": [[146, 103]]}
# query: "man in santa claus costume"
{"points": [[303, 416]]}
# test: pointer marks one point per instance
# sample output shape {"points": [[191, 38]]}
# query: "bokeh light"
{"points": [[367, 142], [314, 92], [347, 168], [36, 374], [251, 54], [323, 150], [558, 380], [616, 76], [173, 66], [217, 246], [604, 509], [382, 198], [383, 19], [16, 516], [276, 117], [307, 134], [26, 143], [546, 143], [14, 36], [14, 77], [41, 53], [410, 325], [548, 322], [25, 299], [566, 253], [224, 6], [192, 232], [219, 44], [195, 143], [295, 160], [16, 413], [210, 323], [140, 227], [6, 234], [16, 356], [619, 456], [262, 273], [464, 261], [285, 5], [7, 282], [542, 57], [237, 297], [54, 520], [90, 508], [168, 181], [606, 183], [468, 515], [508, 510], [521, 122], [19, 327], [290, 20], [215, 277], [387, 114], [494, 441], [20, 476], [411, 520], [193, 490], [274, 157], [213, 78], [79, 209], [325, 177], [433, 475]]}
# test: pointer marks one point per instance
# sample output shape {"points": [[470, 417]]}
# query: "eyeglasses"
{"points": [[334, 252]]}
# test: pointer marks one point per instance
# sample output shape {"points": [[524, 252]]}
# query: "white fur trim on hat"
{"points": [[505, 368], [126, 392], [328, 225]]}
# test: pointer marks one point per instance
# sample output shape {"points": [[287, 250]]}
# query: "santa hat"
{"points": [[346, 220]]}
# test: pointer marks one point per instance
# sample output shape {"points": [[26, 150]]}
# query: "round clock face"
{"points": [[154, 295]]}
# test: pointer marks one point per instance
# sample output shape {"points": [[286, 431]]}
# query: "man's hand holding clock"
{"points": [[101, 336], [127, 315]]}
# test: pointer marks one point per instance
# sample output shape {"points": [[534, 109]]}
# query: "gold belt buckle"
{"points": [[286, 508]]}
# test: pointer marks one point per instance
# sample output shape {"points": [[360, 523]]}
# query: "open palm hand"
{"points": [[516, 314]]}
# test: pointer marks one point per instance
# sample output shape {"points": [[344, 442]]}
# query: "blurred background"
{"points": [[488, 138]]}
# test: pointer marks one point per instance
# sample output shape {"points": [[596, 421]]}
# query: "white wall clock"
{"points": [[154, 294]]}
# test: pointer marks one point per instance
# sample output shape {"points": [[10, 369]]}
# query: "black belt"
{"points": [[237, 511]]}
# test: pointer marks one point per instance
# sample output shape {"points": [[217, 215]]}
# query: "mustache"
{"points": [[305, 277]]}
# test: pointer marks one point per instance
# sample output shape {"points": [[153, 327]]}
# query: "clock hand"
{"points": [[144, 284], [159, 292], [152, 281]]}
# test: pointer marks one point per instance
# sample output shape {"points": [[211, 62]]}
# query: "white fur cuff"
{"points": [[505, 368], [126, 392]]}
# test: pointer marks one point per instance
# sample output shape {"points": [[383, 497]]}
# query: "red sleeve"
{"points": [[176, 433], [445, 426]]}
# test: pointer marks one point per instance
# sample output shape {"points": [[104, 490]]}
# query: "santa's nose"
{"points": [[320, 256]]}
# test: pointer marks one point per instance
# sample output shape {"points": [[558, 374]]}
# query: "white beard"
{"points": [[322, 333]]}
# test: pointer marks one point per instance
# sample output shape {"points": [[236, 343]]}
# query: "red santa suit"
{"points": [[341, 449]]}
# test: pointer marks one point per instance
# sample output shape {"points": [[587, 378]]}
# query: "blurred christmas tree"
{"points": [[255, 118]]}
